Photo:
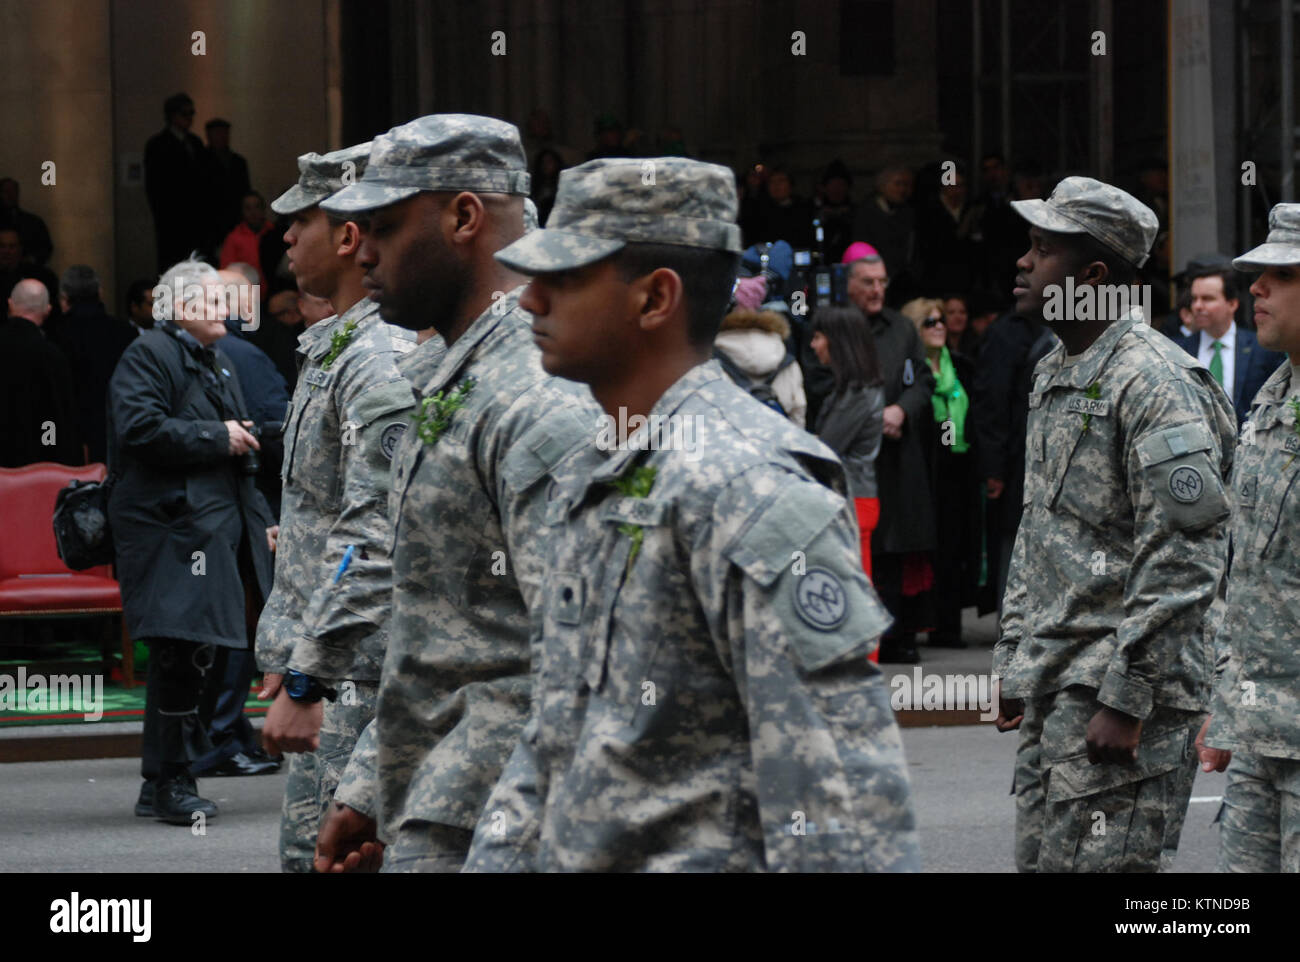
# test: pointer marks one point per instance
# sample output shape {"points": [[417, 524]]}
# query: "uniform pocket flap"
{"points": [[386, 398], [1173, 443], [1076, 777], [788, 524], [541, 448]]}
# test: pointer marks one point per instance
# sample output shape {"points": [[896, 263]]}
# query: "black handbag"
{"points": [[81, 530]]}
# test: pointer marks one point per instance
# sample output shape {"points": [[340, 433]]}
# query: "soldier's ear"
{"points": [[469, 216], [1095, 272], [349, 240], [662, 295]]}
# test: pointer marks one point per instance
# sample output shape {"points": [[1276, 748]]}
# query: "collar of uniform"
{"points": [[685, 387], [1087, 368], [315, 341], [460, 352], [1276, 388], [420, 364]]}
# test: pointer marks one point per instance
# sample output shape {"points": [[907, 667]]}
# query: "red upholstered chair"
{"points": [[34, 582]]}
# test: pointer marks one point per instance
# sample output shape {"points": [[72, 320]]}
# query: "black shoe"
{"points": [[177, 799], [899, 653], [144, 804], [939, 639], [240, 764], [258, 755]]}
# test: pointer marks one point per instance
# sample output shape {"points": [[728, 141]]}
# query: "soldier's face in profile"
{"points": [[1048, 261], [411, 271], [312, 251], [581, 321], [1277, 309]]}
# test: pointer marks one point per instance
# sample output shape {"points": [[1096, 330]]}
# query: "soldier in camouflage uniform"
{"points": [[325, 622], [704, 701], [1256, 720], [443, 193], [1103, 663]]}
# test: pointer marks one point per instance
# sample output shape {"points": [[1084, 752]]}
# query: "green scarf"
{"points": [[950, 400]]}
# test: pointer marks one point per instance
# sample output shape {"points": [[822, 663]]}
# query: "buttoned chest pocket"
{"points": [[406, 460], [1084, 468], [311, 455], [1244, 482], [647, 586], [1265, 489], [1035, 451]]}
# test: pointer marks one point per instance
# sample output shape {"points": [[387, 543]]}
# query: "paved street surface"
{"points": [[75, 816]]}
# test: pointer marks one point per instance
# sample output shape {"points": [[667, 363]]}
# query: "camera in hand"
{"points": [[249, 462]]}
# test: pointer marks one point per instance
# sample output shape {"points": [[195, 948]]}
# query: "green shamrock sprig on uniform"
{"points": [[636, 484], [435, 412], [338, 341], [1093, 393]]}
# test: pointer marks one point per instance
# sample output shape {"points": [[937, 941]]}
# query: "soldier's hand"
{"points": [[1011, 712], [1212, 759], [291, 726], [1113, 737], [270, 685], [347, 841], [272, 536]]}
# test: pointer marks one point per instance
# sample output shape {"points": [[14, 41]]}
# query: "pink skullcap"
{"points": [[858, 250]]}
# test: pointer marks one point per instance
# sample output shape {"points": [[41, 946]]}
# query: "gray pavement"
{"points": [[75, 816]]}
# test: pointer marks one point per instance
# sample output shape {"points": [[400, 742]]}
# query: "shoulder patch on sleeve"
{"points": [[1180, 467], [788, 524]]}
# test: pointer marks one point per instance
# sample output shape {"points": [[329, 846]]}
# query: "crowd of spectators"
{"points": [[911, 366]]}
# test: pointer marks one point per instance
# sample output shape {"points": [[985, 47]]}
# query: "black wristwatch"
{"points": [[305, 689]]}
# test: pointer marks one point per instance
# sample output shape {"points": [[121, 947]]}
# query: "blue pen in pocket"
{"points": [[343, 565]]}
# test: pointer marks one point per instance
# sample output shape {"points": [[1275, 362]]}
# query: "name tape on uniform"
{"points": [[1099, 407]]}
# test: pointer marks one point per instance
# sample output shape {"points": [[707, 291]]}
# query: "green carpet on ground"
{"points": [[118, 704]]}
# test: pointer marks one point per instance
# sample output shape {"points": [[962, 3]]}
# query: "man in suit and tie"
{"points": [[1231, 353]]}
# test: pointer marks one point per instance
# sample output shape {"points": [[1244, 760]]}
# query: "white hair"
{"points": [[192, 271]]}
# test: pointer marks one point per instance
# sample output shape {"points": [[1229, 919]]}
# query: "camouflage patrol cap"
{"points": [[1282, 246], [320, 175], [530, 215], [604, 204], [440, 152], [1081, 205]]}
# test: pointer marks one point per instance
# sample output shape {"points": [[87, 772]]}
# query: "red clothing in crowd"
{"points": [[868, 511], [240, 246]]}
